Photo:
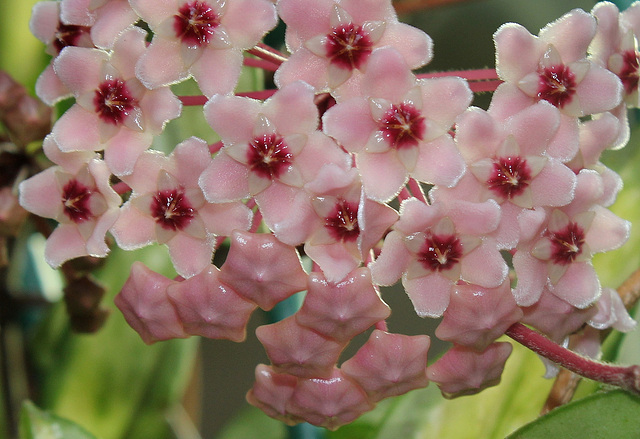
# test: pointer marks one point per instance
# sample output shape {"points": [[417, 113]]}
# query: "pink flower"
{"points": [[434, 246], [348, 224], [271, 392], [113, 111], [611, 313], [200, 38], [106, 18], [331, 41], [46, 25], [508, 162], [554, 66], [399, 127], [270, 155], [77, 194], [559, 254], [168, 207], [615, 45]]}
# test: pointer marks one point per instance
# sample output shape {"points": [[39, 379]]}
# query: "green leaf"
{"points": [[611, 415], [252, 422], [111, 380], [39, 424]]}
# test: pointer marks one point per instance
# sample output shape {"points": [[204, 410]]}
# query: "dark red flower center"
{"points": [[171, 209], [195, 23], [629, 73], [566, 245], [403, 126], [557, 85], [342, 223], [113, 101], [75, 201], [348, 46], [68, 35], [440, 253], [268, 156], [510, 176]]}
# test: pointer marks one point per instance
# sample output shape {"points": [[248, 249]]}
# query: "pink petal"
{"points": [[607, 231], [571, 34], [65, 243], [128, 48], [73, 60], [41, 195], [392, 262], [429, 294], [49, 87], [532, 277], [189, 255], [123, 149], [223, 218], [599, 91], [534, 127], [579, 285], [303, 65], [247, 33], [154, 11], [233, 117], [484, 266], [133, 229], [161, 64], [224, 180], [414, 44], [517, 52], [350, 123], [477, 135], [77, 130], [217, 70], [45, 17], [335, 260], [287, 212], [296, 98], [114, 17], [383, 175], [271, 392], [439, 162], [387, 75], [554, 185]]}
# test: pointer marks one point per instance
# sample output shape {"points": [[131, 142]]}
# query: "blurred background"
{"points": [[117, 387]]}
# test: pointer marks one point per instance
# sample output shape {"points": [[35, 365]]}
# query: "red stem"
{"points": [[268, 54], [626, 377], [470, 75], [261, 64]]}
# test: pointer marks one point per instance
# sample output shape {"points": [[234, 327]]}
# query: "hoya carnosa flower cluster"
{"points": [[349, 131]]}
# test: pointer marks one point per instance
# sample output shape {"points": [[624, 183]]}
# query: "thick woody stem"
{"points": [[626, 377]]}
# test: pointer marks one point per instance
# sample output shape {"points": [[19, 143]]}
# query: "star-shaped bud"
{"points": [[262, 269], [209, 308], [298, 350], [389, 364], [271, 392], [328, 402], [146, 307], [341, 310], [477, 316], [462, 371]]}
